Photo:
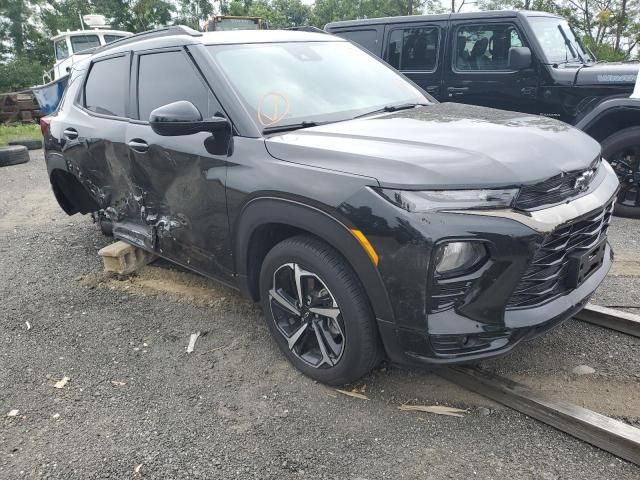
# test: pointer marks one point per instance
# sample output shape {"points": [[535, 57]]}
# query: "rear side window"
{"points": [[414, 49], [365, 38], [485, 47], [106, 89], [169, 77]]}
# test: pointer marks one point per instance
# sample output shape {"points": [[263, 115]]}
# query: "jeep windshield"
{"points": [[300, 84], [558, 41]]}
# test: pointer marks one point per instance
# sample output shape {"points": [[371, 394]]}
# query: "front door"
{"points": [[478, 72], [415, 49], [182, 186]]}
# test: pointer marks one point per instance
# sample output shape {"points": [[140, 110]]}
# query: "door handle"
{"points": [[458, 90], [70, 133], [138, 145], [432, 89]]}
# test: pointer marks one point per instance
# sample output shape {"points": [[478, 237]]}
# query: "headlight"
{"points": [[429, 200], [459, 257]]}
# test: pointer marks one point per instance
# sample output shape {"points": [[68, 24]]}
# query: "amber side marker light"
{"points": [[364, 241]]}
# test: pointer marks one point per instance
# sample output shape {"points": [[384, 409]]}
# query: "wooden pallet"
{"points": [[19, 107]]}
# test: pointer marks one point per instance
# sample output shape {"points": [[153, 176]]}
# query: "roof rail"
{"points": [[155, 33]]}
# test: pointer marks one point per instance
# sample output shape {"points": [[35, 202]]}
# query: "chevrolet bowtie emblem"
{"points": [[582, 182]]}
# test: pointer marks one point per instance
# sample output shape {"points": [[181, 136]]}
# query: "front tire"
{"points": [[318, 311], [622, 150]]}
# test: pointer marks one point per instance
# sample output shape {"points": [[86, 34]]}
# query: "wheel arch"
{"points": [[264, 222], [71, 195], [610, 117]]}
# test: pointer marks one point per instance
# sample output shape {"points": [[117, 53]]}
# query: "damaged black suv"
{"points": [[366, 217]]}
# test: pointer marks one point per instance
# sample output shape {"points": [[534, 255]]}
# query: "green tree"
{"points": [[277, 13]]}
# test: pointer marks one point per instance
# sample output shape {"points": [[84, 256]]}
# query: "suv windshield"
{"points": [[558, 41], [311, 82]]}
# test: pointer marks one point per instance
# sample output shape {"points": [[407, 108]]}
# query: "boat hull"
{"points": [[48, 96]]}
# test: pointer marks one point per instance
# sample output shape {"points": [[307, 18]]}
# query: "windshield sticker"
{"points": [[272, 108]]}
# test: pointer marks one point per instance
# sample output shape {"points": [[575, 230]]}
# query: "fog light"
{"points": [[459, 257]]}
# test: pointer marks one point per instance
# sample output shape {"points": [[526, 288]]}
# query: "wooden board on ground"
{"points": [[122, 258], [599, 430], [624, 322]]}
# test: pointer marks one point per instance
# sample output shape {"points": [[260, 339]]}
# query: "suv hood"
{"points": [[443, 145], [603, 74]]}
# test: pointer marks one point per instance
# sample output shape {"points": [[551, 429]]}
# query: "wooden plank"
{"points": [[609, 434], [624, 322]]}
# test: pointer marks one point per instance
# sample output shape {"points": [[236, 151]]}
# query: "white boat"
{"points": [[70, 47]]}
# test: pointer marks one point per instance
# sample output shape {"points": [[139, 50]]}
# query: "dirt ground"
{"points": [[136, 405]]}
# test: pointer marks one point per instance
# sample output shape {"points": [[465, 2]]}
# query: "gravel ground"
{"points": [[137, 406]]}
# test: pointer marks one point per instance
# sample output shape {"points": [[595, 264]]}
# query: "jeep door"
{"points": [[182, 185], [416, 50], [478, 72]]}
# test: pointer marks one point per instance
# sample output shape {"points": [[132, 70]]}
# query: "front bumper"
{"points": [[410, 347], [481, 324]]}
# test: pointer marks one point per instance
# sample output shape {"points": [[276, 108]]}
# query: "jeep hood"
{"points": [[441, 146], [602, 74]]}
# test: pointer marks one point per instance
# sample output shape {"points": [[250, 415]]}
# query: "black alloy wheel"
{"points": [[307, 315], [318, 312], [622, 150]]}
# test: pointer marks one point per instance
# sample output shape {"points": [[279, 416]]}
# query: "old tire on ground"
{"points": [[13, 155], [622, 150], [318, 311], [30, 143]]}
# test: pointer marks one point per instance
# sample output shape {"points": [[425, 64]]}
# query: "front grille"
{"points": [[550, 273], [556, 189]]}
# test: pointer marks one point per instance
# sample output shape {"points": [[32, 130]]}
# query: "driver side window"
{"points": [[168, 77], [485, 47]]}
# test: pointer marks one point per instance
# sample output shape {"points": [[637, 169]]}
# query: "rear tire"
{"points": [[13, 155], [332, 337], [622, 150]]}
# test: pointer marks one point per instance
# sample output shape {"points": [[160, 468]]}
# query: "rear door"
{"points": [[182, 185], [94, 132], [477, 66], [416, 50]]}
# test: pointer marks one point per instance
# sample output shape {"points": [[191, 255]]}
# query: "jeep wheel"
{"points": [[622, 150], [318, 312]]}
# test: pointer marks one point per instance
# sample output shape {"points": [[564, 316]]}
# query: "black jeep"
{"points": [[364, 216], [523, 61]]}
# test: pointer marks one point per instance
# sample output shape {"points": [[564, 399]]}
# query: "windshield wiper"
{"points": [[292, 126], [392, 108], [574, 51]]}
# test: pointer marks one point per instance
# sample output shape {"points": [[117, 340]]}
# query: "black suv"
{"points": [[524, 61], [363, 215]]}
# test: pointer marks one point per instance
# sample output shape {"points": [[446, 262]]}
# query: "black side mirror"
{"points": [[519, 58], [184, 118]]}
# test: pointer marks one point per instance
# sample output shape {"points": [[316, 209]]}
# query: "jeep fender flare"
{"points": [[273, 210], [607, 111]]}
